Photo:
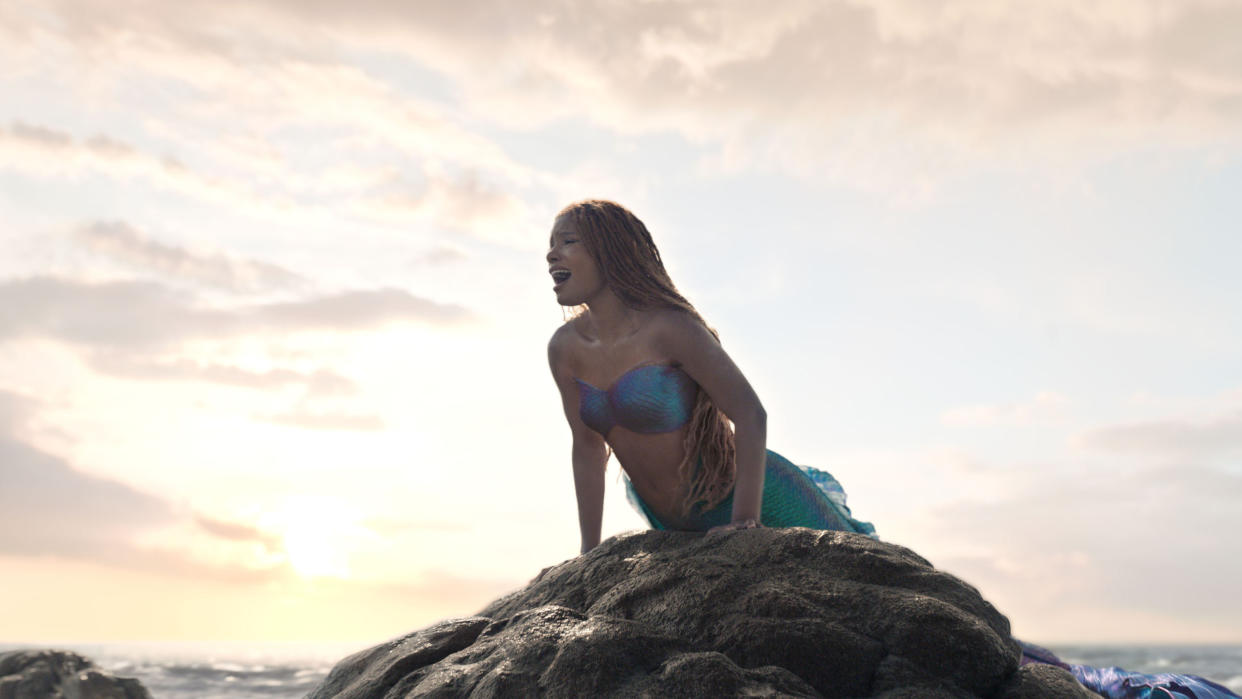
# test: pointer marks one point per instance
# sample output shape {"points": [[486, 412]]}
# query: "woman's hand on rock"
{"points": [[734, 526]]}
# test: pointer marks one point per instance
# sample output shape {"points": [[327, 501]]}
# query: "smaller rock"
{"points": [[58, 674]]}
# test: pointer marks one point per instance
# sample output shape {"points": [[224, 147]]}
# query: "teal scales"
{"points": [[793, 496], [656, 398]]}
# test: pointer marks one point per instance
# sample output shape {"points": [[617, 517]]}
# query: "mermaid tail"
{"points": [[1115, 683], [793, 496], [800, 496]]}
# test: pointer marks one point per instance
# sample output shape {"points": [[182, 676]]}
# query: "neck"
{"points": [[612, 319]]}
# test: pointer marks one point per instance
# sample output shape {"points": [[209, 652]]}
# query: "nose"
{"points": [[552, 256]]}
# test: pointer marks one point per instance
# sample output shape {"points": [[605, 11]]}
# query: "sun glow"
{"points": [[319, 534]]}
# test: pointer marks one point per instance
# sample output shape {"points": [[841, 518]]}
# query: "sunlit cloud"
{"points": [[16, 410], [147, 314], [1078, 540], [42, 151], [456, 203], [50, 508], [806, 86], [1174, 436], [377, 136], [322, 382], [124, 243], [319, 420], [893, 94], [356, 310], [441, 255], [145, 331], [390, 526], [237, 531], [1045, 406]]}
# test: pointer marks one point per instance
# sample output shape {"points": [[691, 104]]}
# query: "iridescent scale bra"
{"points": [[647, 399]]}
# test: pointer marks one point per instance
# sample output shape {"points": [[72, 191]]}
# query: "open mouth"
{"points": [[560, 276]]}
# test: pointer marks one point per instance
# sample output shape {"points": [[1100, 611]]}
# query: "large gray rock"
{"points": [[762, 612], [58, 674]]}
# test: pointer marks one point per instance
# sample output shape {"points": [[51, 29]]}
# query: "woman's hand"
{"points": [[734, 526]]}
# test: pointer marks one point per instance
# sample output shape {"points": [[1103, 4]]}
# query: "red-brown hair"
{"points": [[631, 267]]}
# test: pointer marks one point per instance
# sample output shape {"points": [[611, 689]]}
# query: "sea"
{"points": [[245, 670]]}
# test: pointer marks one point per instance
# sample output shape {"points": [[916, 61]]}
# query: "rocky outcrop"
{"points": [[57, 674], [762, 612]]}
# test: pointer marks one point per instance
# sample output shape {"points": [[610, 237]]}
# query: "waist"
{"points": [[652, 466], [664, 512]]}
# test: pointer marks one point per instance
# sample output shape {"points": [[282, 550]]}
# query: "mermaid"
{"points": [[642, 376]]}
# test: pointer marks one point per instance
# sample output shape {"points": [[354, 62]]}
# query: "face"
{"points": [[575, 276]]}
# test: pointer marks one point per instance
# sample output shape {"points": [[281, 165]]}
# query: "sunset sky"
{"points": [[274, 306]]}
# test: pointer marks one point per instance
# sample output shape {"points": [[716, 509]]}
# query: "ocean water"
{"points": [[239, 670], [215, 670], [1220, 663]]}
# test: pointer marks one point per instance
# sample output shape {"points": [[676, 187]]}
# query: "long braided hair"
{"points": [[631, 266]]}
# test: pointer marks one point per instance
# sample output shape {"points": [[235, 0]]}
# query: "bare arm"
{"points": [[688, 342], [589, 467], [589, 454]]}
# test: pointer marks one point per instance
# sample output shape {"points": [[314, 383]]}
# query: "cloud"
{"points": [[322, 382], [286, 89], [323, 420], [462, 199], [441, 255], [876, 94], [390, 527], [36, 149], [40, 136], [355, 310], [140, 330], [1047, 405], [126, 244], [130, 315], [458, 203], [49, 508], [235, 531], [1220, 435], [16, 411], [879, 85], [1128, 546]]}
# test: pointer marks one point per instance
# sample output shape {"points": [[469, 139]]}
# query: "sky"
{"points": [[274, 306]]}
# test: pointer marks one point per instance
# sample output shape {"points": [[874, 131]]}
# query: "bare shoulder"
{"points": [[562, 344], [677, 330], [557, 343], [560, 334]]}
